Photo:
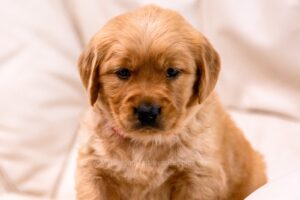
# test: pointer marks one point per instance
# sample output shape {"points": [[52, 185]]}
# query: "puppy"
{"points": [[157, 129]]}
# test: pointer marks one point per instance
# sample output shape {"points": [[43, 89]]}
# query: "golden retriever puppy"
{"points": [[157, 129]]}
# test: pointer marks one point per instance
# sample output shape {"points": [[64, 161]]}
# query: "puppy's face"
{"points": [[146, 69]]}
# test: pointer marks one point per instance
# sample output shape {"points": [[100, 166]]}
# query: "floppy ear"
{"points": [[88, 65], [208, 68]]}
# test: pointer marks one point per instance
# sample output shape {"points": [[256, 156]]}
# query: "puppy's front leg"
{"points": [[195, 187], [88, 185], [91, 185]]}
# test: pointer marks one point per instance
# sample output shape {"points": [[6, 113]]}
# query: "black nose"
{"points": [[147, 114]]}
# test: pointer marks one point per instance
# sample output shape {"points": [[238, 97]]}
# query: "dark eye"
{"points": [[172, 72], [123, 73]]}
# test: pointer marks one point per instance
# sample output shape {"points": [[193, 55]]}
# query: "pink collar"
{"points": [[114, 129], [118, 132]]}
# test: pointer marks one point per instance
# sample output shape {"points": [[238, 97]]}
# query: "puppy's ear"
{"points": [[208, 68], [88, 65]]}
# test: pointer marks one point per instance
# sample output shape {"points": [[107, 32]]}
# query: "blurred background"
{"points": [[42, 98]]}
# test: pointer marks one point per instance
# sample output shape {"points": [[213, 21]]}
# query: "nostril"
{"points": [[155, 110], [135, 110], [159, 110]]}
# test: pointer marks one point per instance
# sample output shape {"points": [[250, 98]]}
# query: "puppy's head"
{"points": [[147, 69]]}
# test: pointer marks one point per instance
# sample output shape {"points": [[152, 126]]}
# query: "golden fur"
{"points": [[196, 151]]}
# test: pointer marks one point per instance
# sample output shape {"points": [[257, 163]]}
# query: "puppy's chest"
{"points": [[143, 168], [144, 176], [146, 179], [145, 172]]}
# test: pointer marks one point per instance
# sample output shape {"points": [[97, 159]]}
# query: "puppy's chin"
{"points": [[148, 131], [151, 135], [140, 131]]}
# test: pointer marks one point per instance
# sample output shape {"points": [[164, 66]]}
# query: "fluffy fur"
{"points": [[196, 151]]}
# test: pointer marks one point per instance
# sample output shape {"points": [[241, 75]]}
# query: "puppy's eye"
{"points": [[172, 73], [123, 73]]}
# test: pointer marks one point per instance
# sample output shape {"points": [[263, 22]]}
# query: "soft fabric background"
{"points": [[42, 97]]}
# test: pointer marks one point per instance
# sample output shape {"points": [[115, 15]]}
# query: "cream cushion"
{"points": [[286, 187], [41, 95]]}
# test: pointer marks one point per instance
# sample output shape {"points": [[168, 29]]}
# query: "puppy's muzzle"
{"points": [[147, 114]]}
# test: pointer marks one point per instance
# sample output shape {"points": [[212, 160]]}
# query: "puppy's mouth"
{"points": [[161, 127], [130, 128], [138, 128]]}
